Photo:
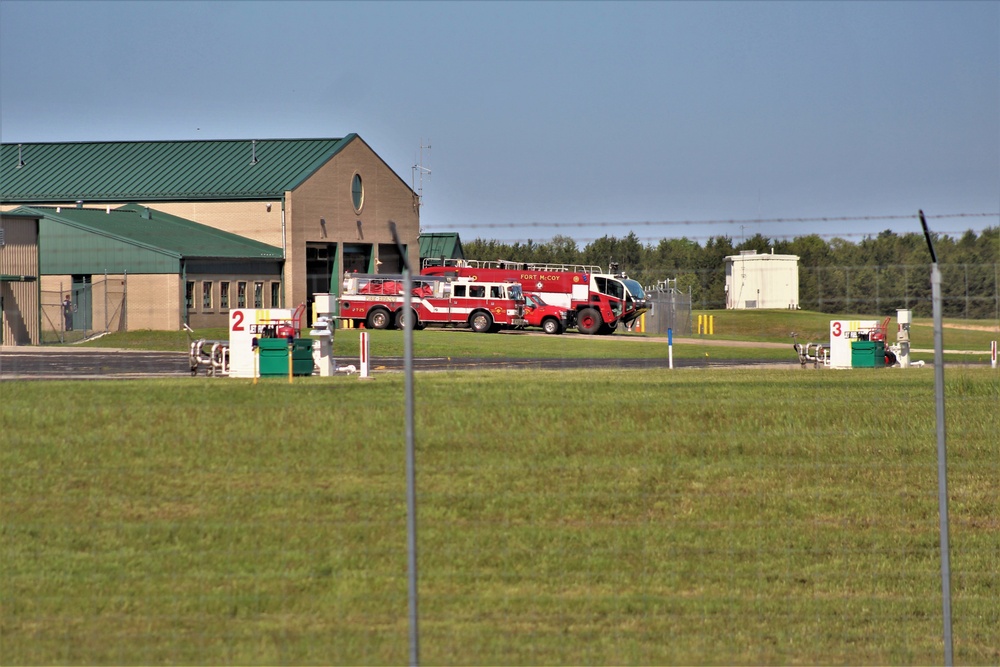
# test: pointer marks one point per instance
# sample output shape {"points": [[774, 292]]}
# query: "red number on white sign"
{"points": [[237, 320]]}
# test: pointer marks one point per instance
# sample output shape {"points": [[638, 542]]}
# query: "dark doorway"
{"points": [[358, 258], [82, 303], [322, 274], [388, 254]]}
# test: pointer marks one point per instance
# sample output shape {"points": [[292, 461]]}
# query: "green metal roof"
{"points": [[154, 230], [444, 244], [160, 170]]}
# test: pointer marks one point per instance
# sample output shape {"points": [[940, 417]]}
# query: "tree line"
{"points": [[874, 276]]}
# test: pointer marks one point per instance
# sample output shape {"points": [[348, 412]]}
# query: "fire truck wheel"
{"points": [[481, 321], [378, 319], [401, 316], [552, 326], [588, 321]]}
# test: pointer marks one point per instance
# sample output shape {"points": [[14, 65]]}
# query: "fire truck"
{"points": [[599, 301], [378, 302]]}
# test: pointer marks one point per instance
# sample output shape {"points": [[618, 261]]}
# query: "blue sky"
{"points": [[573, 118]]}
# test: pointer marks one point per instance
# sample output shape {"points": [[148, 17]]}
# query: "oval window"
{"points": [[357, 192]]}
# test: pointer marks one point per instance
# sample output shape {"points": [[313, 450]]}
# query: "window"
{"points": [[224, 295], [496, 292], [275, 295], [206, 295], [241, 294], [189, 295], [477, 291], [357, 193], [258, 295], [459, 290]]}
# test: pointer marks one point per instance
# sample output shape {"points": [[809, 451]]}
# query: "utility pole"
{"points": [[417, 173]]}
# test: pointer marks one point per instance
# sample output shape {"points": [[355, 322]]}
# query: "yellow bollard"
{"points": [[711, 325], [699, 324]]}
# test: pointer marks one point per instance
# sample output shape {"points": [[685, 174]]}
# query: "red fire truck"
{"points": [[600, 301], [378, 302]]}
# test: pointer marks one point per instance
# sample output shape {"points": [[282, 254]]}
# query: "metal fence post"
{"points": [[941, 448], [411, 492]]}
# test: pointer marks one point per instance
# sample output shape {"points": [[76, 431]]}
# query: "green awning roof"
{"points": [[445, 244], [149, 228]]}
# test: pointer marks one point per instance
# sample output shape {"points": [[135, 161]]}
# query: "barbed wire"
{"points": [[771, 237], [705, 237], [734, 221]]}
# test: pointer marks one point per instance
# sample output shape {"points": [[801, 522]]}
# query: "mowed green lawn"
{"points": [[743, 335], [778, 516]]}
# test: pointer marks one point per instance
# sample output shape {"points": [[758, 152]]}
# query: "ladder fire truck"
{"points": [[378, 301], [600, 301]]}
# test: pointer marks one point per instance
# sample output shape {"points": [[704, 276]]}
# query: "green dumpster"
{"points": [[868, 354], [274, 357]]}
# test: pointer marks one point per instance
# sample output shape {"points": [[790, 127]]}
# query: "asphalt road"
{"points": [[35, 363]]}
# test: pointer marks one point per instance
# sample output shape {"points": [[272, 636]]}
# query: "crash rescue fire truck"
{"points": [[378, 302], [599, 301]]}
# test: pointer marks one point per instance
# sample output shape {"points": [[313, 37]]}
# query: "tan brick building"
{"points": [[325, 203]]}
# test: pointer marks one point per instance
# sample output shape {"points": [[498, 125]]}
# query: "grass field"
{"points": [[564, 518], [772, 327]]}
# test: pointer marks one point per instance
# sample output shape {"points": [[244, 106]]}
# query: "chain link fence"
{"points": [[669, 308], [80, 311]]}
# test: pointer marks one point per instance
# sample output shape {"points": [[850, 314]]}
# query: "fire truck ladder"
{"points": [[510, 265]]}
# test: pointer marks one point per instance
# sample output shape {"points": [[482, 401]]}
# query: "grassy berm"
{"points": [[767, 517]]}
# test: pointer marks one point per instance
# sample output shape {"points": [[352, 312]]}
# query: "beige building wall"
{"points": [[251, 219], [325, 196], [222, 293], [19, 257], [155, 302]]}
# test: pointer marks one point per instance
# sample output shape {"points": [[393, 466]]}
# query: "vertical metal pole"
{"points": [[670, 348], [411, 493], [942, 461], [941, 448]]}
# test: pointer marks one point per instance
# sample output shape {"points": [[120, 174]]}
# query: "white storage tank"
{"points": [[762, 281]]}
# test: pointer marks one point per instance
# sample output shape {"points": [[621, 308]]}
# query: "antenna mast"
{"points": [[419, 170]]}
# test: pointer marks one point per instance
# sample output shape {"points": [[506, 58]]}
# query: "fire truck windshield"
{"points": [[635, 289], [534, 300], [610, 286], [514, 292]]}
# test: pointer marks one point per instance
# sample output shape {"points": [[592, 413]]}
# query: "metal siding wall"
{"points": [[69, 250], [19, 256], [775, 276]]}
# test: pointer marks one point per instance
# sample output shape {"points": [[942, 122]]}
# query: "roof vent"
{"points": [[20, 162], [253, 152], [146, 215]]}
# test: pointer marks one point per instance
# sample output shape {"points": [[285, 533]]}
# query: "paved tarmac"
{"points": [[63, 363]]}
